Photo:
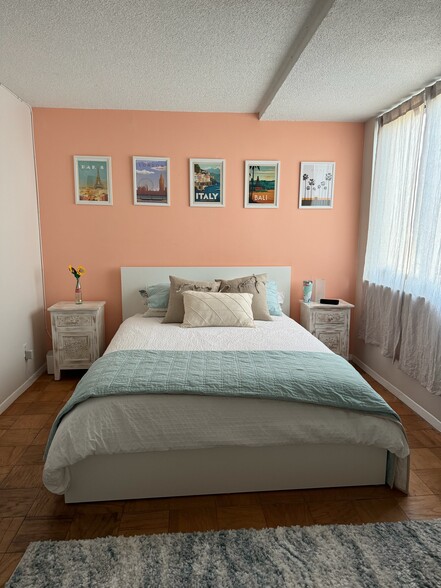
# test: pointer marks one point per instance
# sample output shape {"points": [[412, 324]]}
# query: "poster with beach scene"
{"points": [[151, 181], [316, 184], [207, 182], [262, 184], [93, 179]]}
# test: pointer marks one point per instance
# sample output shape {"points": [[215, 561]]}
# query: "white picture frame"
{"points": [[151, 181], [262, 192], [316, 190], [207, 182], [93, 180]]}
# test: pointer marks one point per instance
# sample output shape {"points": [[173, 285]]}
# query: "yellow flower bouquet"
{"points": [[77, 272]]}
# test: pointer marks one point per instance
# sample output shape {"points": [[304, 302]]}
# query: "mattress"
{"points": [[131, 424]]}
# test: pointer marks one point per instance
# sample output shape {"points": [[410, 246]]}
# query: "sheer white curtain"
{"points": [[420, 353], [424, 270], [390, 222], [402, 276], [392, 202]]}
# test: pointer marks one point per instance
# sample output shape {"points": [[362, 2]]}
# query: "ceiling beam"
{"points": [[315, 18]]}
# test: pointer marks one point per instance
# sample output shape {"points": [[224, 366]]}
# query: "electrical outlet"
{"points": [[28, 353]]}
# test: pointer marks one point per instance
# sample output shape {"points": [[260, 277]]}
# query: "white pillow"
{"points": [[215, 309]]}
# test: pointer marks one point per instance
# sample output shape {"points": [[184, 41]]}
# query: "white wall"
{"points": [[368, 356], [21, 284]]}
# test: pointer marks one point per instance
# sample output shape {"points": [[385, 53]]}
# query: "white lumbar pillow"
{"points": [[214, 309]]}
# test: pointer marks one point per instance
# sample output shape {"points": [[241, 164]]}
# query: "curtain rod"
{"points": [[432, 89]]}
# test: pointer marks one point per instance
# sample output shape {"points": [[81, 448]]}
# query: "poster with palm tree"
{"points": [[316, 184], [262, 184]]}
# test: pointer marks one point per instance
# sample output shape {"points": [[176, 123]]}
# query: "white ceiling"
{"points": [[287, 59]]}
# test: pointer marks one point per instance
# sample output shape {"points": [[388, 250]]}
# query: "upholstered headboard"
{"points": [[135, 278]]}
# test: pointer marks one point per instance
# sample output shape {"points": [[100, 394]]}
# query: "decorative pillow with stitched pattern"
{"points": [[213, 309], [255, 285], [175, 310]]}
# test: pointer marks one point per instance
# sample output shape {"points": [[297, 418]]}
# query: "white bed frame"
{"points": [[134, 278], [223, 469]]}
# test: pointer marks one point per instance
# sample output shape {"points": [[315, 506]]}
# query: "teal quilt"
{"points": [[292, 376]]}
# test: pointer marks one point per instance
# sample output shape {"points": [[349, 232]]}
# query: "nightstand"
{"points": [[77, 334], [329, 323]]}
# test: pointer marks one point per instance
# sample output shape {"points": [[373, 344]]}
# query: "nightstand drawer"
{"points": [[74, 320], [75, 350], [330, 317], [333, 339]]}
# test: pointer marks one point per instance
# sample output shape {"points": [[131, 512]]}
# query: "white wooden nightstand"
{"points": [[77, 334], [328, 322]]}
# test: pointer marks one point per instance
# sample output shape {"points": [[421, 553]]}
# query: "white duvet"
{"points": [[130, 424]]}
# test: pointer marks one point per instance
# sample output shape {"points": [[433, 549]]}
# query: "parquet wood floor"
{"points": [[28, 512]]}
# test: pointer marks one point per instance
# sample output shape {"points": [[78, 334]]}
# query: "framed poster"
{"points": [[316, 184], [151, 181], [262, 184], [207, 182], [93, 179]]}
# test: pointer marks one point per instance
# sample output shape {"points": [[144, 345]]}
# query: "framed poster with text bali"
{"points": [[207, 182], [262, 184], [151, 181], [93, 179]]}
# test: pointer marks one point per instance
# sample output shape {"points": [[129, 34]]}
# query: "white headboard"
{"points": [[136, 278]]}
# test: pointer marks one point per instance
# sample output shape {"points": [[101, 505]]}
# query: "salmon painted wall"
{"points": [[315, 243]]}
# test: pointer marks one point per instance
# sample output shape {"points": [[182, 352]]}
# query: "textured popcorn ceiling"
{"points": [[220, 55], [366, 56]]}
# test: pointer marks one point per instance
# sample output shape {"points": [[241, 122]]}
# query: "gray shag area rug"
{"points": [[382, 555]]}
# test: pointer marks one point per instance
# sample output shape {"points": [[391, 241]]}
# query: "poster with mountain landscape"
{"points": [[207, 181], [262, 184]]}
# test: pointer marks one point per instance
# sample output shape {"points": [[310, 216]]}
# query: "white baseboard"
{"points": [[422, 412], [10, 399]]}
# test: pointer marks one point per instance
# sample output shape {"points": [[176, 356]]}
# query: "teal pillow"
{"points": [[272, 298], [156, 296]]}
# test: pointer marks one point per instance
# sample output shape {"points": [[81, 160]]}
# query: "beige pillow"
{"points": [[175, 310], [155, 312], [212, 309], [255, 285]]}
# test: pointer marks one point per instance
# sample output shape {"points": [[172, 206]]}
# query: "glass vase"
{"points": [[78, 293]]}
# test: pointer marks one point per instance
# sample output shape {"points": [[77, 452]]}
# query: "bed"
{"points": [[141, 446]]}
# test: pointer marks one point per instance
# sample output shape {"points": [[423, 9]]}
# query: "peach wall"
{"points": [[319, 243]]}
